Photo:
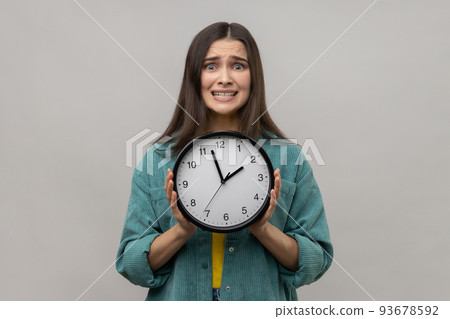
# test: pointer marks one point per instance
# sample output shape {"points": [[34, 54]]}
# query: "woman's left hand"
{"points": [[274, 194]]}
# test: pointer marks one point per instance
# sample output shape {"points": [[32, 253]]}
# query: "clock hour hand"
{"points": [[234, 173], [217, 166]]}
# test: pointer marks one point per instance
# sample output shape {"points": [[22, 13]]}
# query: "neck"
{"points": [[219, 122]]}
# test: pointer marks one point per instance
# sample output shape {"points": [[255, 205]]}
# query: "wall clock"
{"points": [[223, 181]]}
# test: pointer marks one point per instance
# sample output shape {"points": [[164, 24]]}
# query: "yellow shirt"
{"points": [[217, 251]]}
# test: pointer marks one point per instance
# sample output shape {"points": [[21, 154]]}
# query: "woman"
{"points": [[223, 89]]}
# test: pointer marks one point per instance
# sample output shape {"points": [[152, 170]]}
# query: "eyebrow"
{"points": [[217, 58]]}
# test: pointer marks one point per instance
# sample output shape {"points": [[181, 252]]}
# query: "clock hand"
{"points": [[217, 166], [232, 174], [215, 193]]}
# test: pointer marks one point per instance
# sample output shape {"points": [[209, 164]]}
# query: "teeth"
{"points": [[228, 94]]}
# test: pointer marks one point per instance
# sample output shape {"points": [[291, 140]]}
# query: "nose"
{"points": [[224, 77]]}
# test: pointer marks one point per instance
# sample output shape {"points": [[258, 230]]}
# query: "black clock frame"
{"points": [[246, 223]]}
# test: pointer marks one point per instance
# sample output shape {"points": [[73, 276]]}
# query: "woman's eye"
{"points": [[210, 67], [238, 67]]}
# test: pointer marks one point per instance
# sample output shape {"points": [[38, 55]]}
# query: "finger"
{"points": [[277, 187], [272, 204], [168, 177], [276, 172], [169, 190], [173, 200], [273, 199], [174, 207], [277, 182]]}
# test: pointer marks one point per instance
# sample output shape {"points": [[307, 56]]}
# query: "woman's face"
{"points": [[225, 77]]}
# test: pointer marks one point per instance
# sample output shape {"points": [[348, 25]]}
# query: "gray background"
{"points": [[376, 105]]}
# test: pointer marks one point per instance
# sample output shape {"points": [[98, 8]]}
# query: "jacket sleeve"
{"points": [[140, 229], [307, 224]]}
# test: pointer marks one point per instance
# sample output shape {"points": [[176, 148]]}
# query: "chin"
{"points": [[224, 110]]}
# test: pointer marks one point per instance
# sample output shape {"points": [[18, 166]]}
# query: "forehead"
{"points": [[226, 47]]}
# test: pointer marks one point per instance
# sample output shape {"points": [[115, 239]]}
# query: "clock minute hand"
{"points": [[217, 166], [234, 173]]}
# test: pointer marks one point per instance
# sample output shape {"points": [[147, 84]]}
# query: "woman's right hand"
{"points": [[186, 227], [168, 243]]}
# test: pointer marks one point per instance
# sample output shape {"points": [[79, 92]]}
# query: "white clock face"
{"points": [[223, 181]]}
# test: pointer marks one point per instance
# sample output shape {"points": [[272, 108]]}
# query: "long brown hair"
{"points": [[182, 129]]}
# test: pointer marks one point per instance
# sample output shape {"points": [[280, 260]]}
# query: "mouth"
{"points": [[224, 94]]}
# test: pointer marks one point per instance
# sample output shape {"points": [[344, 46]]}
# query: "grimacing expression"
{"points": [[225, 77]]}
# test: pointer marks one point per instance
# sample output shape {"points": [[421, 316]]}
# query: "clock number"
{"points": [[207, 212], [239, 147], [185, 184], [192, 164], [260, 177], [193, 202], [220, 144], [226, 217], [202, 151], [244, 210], [256, 197], [253, 159]]}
